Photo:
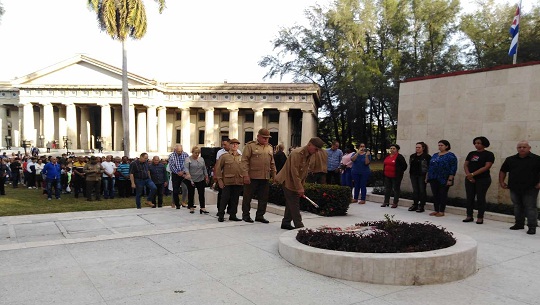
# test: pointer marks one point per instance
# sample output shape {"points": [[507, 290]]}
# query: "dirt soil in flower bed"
{"points": [[387, 236]]}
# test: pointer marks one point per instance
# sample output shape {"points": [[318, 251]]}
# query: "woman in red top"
{"points": [[394, 167]]}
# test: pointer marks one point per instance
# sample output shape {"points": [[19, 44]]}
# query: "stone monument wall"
{"points": [[502, 104]]}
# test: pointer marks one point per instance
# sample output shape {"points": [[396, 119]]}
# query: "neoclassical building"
{"points": [[80, 100]]}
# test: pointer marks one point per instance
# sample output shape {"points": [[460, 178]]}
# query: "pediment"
{"points": [[80, 71]]}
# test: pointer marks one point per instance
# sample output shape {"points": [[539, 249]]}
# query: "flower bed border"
{"points": [[418, 268]]}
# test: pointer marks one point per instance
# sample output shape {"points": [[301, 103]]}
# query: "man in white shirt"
{"points": [[107, 180]]}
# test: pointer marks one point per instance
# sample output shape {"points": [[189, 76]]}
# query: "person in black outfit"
{"points": [[279, 157], [523, 182], [419, 163], [478, 179], [15, 167], [158, 174], [3, 173]]}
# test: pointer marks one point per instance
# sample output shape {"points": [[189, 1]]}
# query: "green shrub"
{"points": [[376, 178], [333, 200]]}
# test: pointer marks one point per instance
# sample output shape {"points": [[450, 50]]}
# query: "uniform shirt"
{"points": [[318, 162], [228, 169], [294, 172], [258, 161], [93, 171], [222, 151]]}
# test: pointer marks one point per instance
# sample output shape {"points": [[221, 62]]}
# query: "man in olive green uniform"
{"points": [[228, 173], [258, 167], [318, 165], [292, 178]]}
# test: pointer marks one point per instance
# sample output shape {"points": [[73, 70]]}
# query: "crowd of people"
{"points": [[250, 171]]}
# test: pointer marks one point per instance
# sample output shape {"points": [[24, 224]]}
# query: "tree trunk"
{"points": [[125, 102]]}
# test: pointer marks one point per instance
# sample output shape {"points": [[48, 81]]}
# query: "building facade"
{"points": [[79, 101]]}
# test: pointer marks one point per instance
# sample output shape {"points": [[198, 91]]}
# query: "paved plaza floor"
{"points": [[169, 256]]}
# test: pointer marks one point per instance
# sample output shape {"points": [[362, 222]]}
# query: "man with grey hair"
{"points": [[524, 182], [176, 165]]}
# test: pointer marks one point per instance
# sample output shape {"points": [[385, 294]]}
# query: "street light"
{"points": [[66, 143], [8, 142], [41, 138], [26, 143]]}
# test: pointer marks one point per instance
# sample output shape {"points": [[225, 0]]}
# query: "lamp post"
{"points": [[66, 143], [41, 140], [26, 143], [8, 142]]}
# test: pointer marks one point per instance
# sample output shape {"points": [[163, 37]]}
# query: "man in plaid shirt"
{"points": [[176, 164]]}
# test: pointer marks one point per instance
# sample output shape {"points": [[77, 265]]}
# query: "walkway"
{"points": [[168, 256]]}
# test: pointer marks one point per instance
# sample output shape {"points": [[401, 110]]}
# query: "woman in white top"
{"points": [[39, 178]]}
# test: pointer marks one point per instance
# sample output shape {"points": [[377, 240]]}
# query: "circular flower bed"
{"points": [[386, 236]]}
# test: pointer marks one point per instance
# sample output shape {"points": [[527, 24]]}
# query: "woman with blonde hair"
{"points": [[196, 178]]}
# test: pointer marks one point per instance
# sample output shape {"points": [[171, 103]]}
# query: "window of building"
{"points": [[248, 136], [178, 116], [8, 113], [225, 116], [202, 116], [249, 117], [178, 135], [274, 138], [273, 117], [201, 136]]}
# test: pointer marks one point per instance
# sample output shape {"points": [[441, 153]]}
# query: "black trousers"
{"points": [[191, 193], [176, 184], [2, 185], [158, 195], [333, 177], [229, 199], [440, 195], [124, 188], [418, 183], [261, 187], [392, 184], [477, 189]]}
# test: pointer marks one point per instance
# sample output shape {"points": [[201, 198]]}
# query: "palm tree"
{"points": [[122, 19]]}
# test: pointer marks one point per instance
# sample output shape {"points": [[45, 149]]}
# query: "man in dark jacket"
{"points": [[158, 174]]}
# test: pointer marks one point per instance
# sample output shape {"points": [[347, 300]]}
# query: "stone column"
{"points": [[151, 127], [118, 129], [28, 122], [283, 137], [307, 126], [71, 124], [48, 123], [257, 121], [132, 130], [3, 124], [62, 126], [209, 140], [186, 129], [233, 123], [141, 131], [106, 126], [85, 128], [162, 130]]}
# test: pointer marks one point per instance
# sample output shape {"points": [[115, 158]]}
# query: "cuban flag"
{"points": [[514, 32]]}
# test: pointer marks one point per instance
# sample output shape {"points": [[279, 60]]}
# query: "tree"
{"points": [[122, 19], [1, 11]]}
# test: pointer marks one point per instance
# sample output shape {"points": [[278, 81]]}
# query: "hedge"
{"points": [[333, 200]]}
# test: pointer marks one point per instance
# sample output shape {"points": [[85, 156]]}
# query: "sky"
{"points": [[191, 41]]}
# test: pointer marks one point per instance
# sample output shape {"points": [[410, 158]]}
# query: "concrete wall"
{"points": [[502, 105]]}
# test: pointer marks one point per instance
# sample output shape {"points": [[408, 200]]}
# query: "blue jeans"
{"points": [[57, 187], [140, 184], [360, 183], [525, 206], [108, 187], [346, 178]]}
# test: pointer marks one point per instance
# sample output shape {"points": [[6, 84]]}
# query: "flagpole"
{"points": [[514, 60]]}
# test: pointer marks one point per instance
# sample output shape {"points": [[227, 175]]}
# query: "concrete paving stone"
{"points": [[115, 249], [291, 285], [374, 289], [40, 238], [93, 233], [233, 260], [508, 282], [129, 277], [374, 301], [36, 229], [157, 219], [193, 240], [82, 225], [526, 263], [269, 244], [124, 221], [210, 292], [448, 294], [54, 286], [35, 259], [490, 254], [136, 228], [253, 232]]}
